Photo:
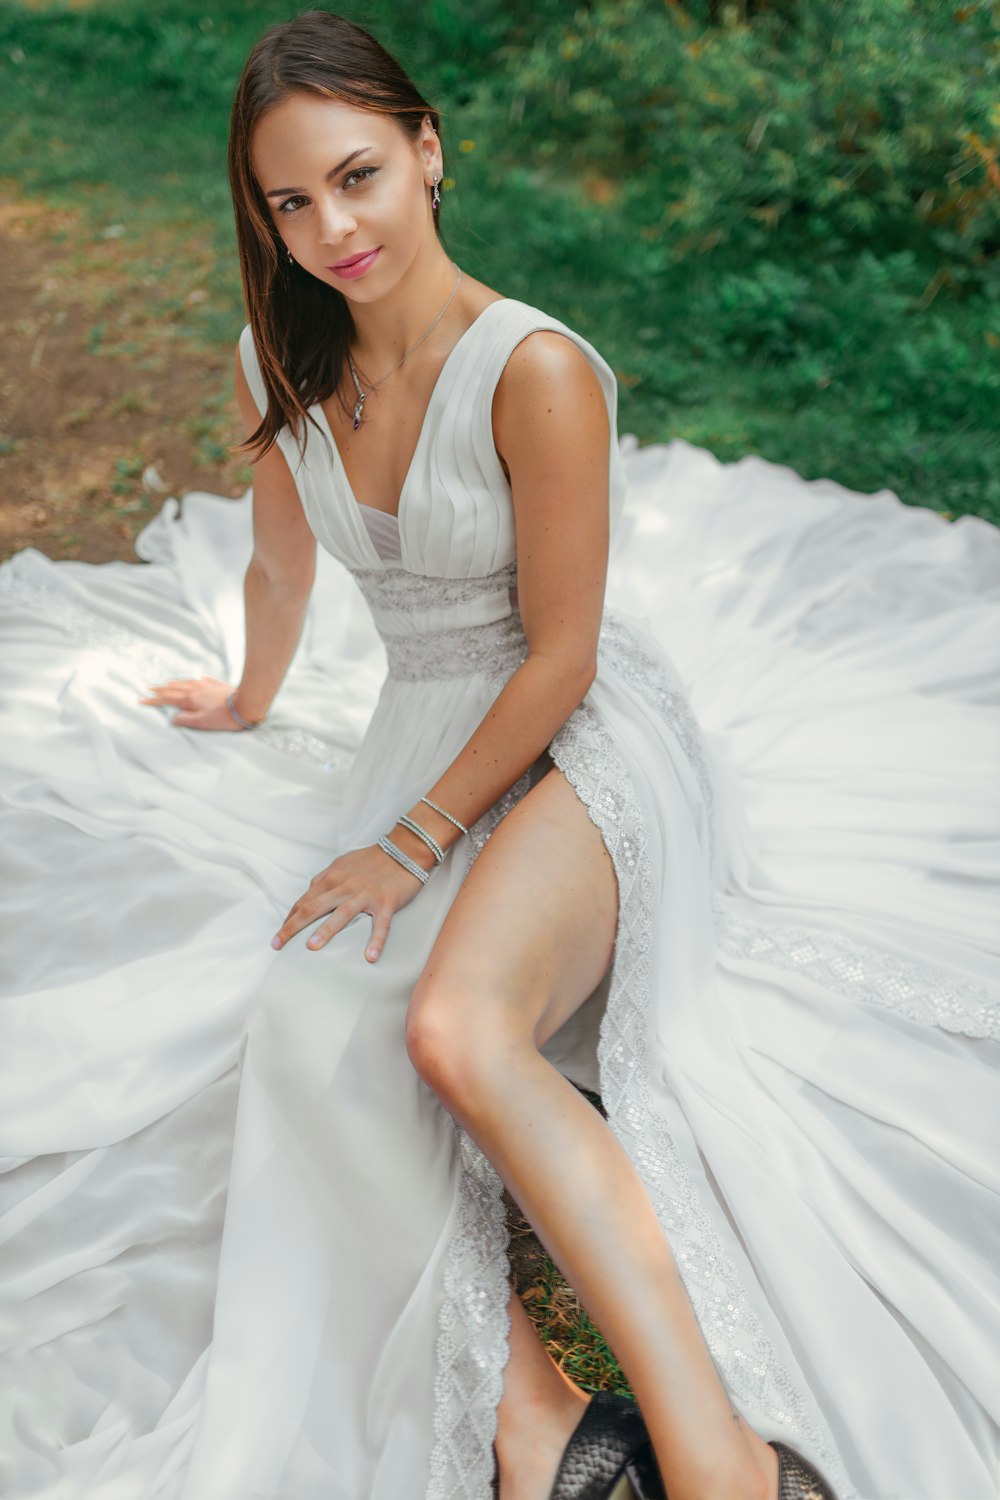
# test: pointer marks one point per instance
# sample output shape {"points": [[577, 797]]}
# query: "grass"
{"points": [[862, 368]]}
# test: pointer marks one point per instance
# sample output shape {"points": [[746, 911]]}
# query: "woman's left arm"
{"points": [[552, 434]]}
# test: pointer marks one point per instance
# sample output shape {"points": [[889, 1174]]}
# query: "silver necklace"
{"points": [[360, 403]]}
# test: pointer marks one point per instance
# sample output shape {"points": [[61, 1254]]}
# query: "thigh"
{"points": [[531, 932]]}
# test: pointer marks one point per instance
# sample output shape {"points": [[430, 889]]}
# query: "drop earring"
{"points": [[436, 195], [291, 257]]}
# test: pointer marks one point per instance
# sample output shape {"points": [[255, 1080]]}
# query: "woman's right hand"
{"points": [[201, 701]]}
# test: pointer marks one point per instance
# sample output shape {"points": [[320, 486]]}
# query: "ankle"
{"points": [[532, 1439], [742, 1479], [751, 1483], [765, 1460], [748, 1484], [549, 1411]]}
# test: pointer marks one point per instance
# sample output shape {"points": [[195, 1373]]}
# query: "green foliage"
{"points": [[871, 123], [777, 220], [864, 317]]}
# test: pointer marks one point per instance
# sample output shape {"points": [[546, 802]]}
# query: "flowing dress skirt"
{"points": [[247, 1253]]}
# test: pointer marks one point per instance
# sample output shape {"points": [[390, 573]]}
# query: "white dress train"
{"points": [[247, 1254]]}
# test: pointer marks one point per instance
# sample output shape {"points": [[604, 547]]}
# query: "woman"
{"points": [[781, 1227]]}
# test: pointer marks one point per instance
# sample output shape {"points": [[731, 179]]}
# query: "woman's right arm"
{"points": [[276, 592]]}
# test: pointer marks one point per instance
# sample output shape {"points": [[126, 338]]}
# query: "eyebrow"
{"points": [[280, 192]]}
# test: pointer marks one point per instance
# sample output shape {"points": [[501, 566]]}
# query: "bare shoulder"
{"points": [[542, 357], [547, 389]]}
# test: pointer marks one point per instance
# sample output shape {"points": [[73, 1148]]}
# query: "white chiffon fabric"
{"points": [[247, 1254]]}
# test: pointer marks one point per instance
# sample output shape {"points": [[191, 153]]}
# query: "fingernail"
{"points": [[276, 942], [373, 953], [315, 942]]}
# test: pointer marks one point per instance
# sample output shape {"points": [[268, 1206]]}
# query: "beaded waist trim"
{"points": [[400, 590], [495, 647]]}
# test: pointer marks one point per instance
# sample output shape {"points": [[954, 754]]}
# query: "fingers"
{"points": [[199, 700], [380, 931], [175, 684], [310, 907], [322, 935], [306, 909], [183, 692], [171, 693], [358, 881]]}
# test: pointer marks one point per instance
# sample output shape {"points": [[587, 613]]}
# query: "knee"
{"points": [[435, 1042], [456, 1049]]}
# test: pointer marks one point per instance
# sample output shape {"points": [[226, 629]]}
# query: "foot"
{"points": [[529, 1453]]}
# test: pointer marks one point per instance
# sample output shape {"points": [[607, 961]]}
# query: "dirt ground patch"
{"points": [[108, 401]]}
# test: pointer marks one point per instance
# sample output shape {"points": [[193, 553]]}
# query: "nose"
{"points": [[336, 221]]}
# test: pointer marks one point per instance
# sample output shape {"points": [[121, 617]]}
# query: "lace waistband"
{"points": [[495, 647], [399, 590]]}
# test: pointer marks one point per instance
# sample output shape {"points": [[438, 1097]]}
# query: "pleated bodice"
{"points": [[455, 514]]}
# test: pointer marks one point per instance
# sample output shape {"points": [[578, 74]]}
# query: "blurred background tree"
{"points": [[777, 219]]}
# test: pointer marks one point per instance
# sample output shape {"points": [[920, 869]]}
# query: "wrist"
{"points": [[244, 715], [412, 844], [440, 828]]}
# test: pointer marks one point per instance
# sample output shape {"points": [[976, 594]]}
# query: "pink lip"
{"points": [[357, 265]]}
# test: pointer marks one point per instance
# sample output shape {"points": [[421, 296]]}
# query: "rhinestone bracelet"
{"points": [[407, 822], [444, 814], [404, 859], [243, 723]]}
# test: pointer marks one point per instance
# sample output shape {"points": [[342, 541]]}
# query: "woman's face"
{"points": [[340, 182]]}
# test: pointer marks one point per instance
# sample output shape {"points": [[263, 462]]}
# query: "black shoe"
{"points": [[644, 1476], [797, 1479], [609, 1456]]}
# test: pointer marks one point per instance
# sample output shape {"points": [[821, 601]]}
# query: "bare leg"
{"points": [[527, 939], [541, 1406]]}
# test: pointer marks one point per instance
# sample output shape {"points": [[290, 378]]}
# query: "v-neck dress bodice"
{"points": [[455, 517]]}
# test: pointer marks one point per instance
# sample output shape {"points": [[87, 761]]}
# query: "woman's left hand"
{"points": [[363, 880]]}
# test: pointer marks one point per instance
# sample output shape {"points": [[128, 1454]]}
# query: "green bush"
{"points": [[867, 124], [777, 219]]}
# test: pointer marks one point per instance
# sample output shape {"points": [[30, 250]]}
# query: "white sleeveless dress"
{"points": [[248, 1255]]}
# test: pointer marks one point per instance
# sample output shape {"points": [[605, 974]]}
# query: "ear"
{"points": [[429, 149]]}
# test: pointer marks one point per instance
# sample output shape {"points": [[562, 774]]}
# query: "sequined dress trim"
{"points": [[474, 1325]]}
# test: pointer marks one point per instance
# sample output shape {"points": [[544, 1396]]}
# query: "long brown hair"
{"points": [[300, 326]]}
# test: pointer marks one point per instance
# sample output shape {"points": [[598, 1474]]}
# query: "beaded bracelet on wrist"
{"points": [[445, 814], [404, 859], [243, 723], [405, 821]]}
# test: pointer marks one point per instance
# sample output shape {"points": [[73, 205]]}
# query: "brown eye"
{"points": [[365, 173]]}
